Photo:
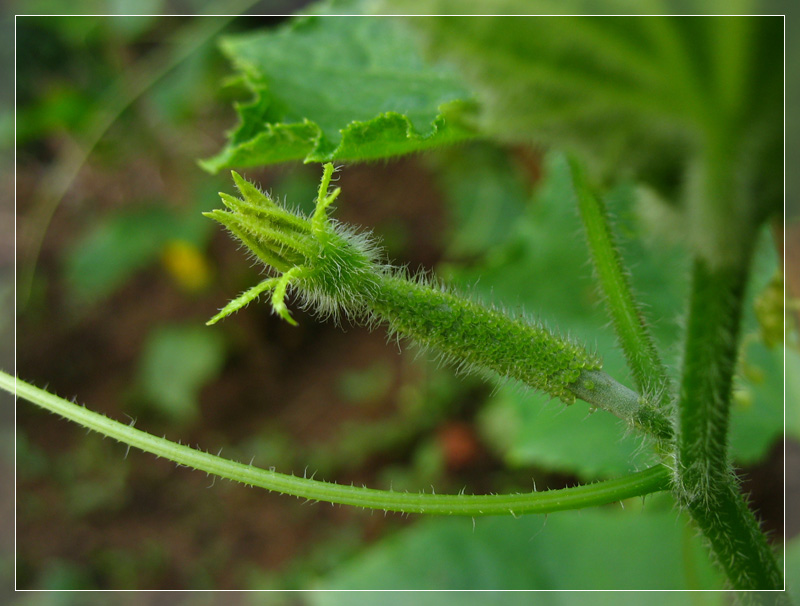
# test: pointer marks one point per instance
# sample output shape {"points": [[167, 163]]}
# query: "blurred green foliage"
{"points": [[534, 553], [486, 194], [366, 385], [511, 237], [119, 244], [176, 362], [543, 265]]}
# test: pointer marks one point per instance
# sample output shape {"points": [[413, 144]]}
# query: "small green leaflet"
{"points": [[339, 88]]}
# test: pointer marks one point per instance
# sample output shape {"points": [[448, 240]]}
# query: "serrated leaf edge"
{"points": [[315, 148]]}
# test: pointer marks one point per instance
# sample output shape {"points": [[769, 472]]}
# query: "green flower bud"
{"points": [[336, 270]]}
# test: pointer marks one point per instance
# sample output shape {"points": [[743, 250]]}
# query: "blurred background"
{"points": [[117, 272]]}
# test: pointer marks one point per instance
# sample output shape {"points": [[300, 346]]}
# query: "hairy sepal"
{"points": [[333, 267], [346, 275]]}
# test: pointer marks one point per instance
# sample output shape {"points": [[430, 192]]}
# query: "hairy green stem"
{"points": [[651, 480], [337, 271], [648, 371], [705, 483], [738, 544], [602, 391]]}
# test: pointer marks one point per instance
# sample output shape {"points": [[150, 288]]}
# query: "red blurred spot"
{"points": [[459, 444]]}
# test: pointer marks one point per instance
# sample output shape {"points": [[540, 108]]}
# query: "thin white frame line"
{"points": [[16, 229], [784, 307], [401, 15], [397, 15]]}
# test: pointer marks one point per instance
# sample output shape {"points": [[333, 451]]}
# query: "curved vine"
{"points": [[654, 479]]}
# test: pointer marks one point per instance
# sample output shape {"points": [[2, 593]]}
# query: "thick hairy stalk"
{"points": [[644, 482], [626, 315], [336, 270], [705, 484]]}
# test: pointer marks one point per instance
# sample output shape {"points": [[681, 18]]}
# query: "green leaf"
{"points": [[176, 362], [691, 106], [757, 411], [570, 80], [590, 549], [485, 194], [543, 269], [338, 88], [528, 430]]}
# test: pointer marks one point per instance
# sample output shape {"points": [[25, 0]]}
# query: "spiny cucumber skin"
{"points": [[466, 333], [477, 337]]}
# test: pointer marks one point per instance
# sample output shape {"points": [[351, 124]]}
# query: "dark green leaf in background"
{"points": [[541, 267], [757, 412], [690, 106], [123, 242], [176, 362], [113, 249], [542, 270], [590, 549], [486, 195]]}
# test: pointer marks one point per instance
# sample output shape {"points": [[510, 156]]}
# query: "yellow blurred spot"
{"points": [[770, 311], [186, 264], [743, 398]]}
